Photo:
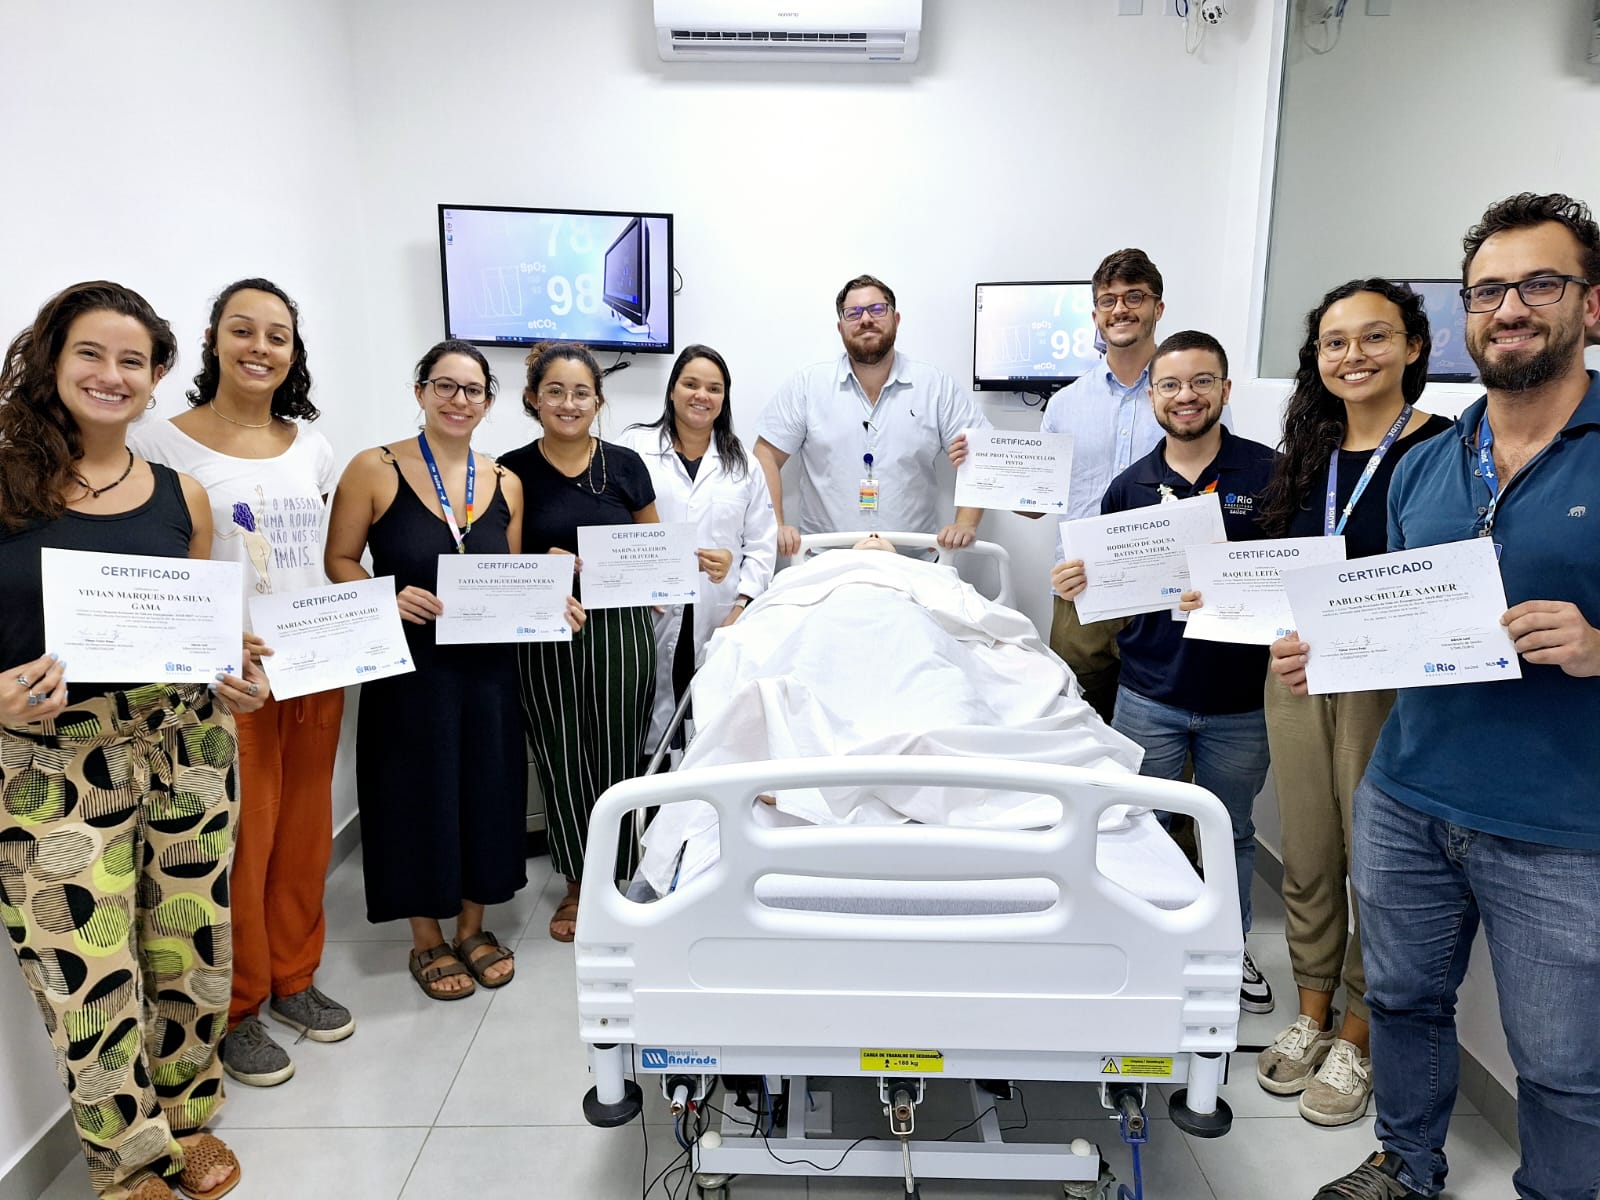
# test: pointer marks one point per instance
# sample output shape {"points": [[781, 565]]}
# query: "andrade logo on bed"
{"points": [[678, 1058]]}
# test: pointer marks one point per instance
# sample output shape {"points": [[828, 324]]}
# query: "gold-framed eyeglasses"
{"points": [[1374, 341], [553, 395], [1133, 298], [1201, 385], [448, 389]]}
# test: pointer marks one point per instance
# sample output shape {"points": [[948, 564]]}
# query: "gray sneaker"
{"points": [[312, 1014], [1339, 1092], [1286, 1066], [250, 1055]]}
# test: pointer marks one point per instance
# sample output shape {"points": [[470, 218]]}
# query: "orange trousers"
{"points": [[286, 753]]}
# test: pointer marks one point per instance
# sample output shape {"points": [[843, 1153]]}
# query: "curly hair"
{"points": [[1127, 266], [542, 357], [729, 448], [1314, 420], [1527, 209], [39, 440], [292, 400]]}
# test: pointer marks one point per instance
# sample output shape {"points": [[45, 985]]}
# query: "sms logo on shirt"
{"points": [[1239, 504]]}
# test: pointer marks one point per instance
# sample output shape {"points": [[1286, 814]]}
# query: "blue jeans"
{"points": [[1230, 761], [1423, 885]]}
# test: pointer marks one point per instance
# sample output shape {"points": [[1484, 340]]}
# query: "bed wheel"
{"points": [[1205, 1125], [712, 1187]]}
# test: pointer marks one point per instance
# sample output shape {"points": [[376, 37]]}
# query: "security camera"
{"points": [[1213, 12]]}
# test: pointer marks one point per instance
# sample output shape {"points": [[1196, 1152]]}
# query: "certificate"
{"points": [[1241, 586], [504, 598], [1415, 618], [1024, 472], [625, 566], [330, 637], [1135, 560], [141, 619]]}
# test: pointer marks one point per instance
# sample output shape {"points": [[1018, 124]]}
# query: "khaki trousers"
{"points": [[1320, 746], [1091, 651]]}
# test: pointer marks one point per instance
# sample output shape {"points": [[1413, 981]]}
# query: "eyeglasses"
{"points": [[553, 394], [1535, 292], [1134, 298], [1201, 385], [1373, 341], [474, 393], [856, 311]]}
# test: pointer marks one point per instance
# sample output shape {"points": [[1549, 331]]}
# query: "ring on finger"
{"points": [[253, 690], [35, 699], [24, 681]]}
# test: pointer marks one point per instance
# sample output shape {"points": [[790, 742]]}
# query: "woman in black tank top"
{"points": [[441, 771], [118, 801]]}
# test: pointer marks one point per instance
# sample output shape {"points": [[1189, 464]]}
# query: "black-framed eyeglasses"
{"points": [[447, 389], [856, 311], [1373, 341], [1535, 292], [1134, 298], [1201, 385]]}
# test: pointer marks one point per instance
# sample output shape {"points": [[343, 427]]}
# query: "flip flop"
{"points": [[567, 910], [428, 976], [199, 1159], [477, 966]]}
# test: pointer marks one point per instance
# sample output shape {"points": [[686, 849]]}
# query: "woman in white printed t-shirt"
{"points": [[703, 476], [247, 438]]}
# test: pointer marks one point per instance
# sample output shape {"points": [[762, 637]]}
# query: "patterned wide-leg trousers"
{"points": [[116, 832]]}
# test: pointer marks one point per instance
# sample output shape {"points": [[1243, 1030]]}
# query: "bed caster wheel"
{"points": [[712, 1187], [1205, 1125], [609, 1116]]}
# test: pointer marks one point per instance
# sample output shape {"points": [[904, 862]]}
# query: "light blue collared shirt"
{"points": [[1112, 427]]}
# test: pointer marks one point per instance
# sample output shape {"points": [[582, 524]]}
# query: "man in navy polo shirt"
{"points": [[1181, 698], [1482, 801]]}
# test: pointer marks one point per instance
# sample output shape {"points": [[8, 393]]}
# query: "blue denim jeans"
{"points": [[1230, 761], [1423, 885]]}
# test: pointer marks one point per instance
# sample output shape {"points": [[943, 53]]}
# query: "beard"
{"points": [[1526, 372], [869, 356], [1193, 434], [1143, 326]]}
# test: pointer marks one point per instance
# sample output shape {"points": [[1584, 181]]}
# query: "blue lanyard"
{"points": [[1328, 526], [457, 533], [1486, 468]]}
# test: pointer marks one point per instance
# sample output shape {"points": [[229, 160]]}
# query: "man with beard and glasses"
{"points": [[869, 428], [1183, 698], [1479, 802], [1107, 411]]}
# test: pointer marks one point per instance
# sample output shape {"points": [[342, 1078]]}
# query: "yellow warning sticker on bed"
{"points": [[910, 1062], [1140, 1067]]}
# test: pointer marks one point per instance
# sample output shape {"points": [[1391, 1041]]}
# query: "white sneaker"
{"points": [[1339, 1092], [1255, 993], [1286, 1066]]}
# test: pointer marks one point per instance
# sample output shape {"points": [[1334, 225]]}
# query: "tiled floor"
{"points": [[480, 1098]]}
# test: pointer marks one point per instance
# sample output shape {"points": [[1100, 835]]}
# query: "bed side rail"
{"points": [[922, 541]]}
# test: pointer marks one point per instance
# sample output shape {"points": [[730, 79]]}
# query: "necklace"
{"points": [[587, 474], [94, 492], [241, 424]]}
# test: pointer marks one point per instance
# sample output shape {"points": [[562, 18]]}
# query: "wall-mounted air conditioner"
{"points": [[822, 31]]}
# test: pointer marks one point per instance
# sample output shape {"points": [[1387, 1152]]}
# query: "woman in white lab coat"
{"points": [[703, 475]]}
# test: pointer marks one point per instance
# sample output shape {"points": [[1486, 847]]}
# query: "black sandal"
{"points": [[429, 976], [476, 966]]}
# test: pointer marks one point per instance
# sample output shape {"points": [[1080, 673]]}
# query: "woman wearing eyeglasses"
{"points": [[702, 475], [247, 439], [1349, 421], [441, 774], [586, 702], [118, 801]]}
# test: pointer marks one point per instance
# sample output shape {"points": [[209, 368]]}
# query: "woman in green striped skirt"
{"points": [[586, 702]]}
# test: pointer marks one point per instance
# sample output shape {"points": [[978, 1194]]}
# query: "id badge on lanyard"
{"points": [[867, 495], [1491, 480]]}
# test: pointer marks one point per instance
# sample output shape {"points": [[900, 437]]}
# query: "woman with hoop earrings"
{"points": [[586, 702]]}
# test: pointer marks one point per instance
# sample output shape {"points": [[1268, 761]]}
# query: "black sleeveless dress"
{"points": [[441, 765]]}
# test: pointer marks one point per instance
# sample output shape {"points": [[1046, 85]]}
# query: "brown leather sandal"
{"points": [[566, 913], [151, 1187], [199, 1159], [478, 964], [428, 975]]}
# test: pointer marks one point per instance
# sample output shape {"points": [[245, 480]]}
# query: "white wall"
{"points": [[1398, 139], [175, 147]]}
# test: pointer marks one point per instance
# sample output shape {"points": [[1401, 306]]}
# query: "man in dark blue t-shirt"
{"points": [[1186, 698], [1479, 803]]}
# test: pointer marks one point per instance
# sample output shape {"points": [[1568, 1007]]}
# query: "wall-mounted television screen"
{"points": [[516, 276], [1032, 337], [1448, 360]]}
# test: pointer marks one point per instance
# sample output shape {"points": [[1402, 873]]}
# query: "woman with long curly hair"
{"points": [[1350, 420], [118, 803], [247, 438]]}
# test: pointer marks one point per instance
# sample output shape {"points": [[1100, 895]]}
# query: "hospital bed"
{"points": [[905, 954]]}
